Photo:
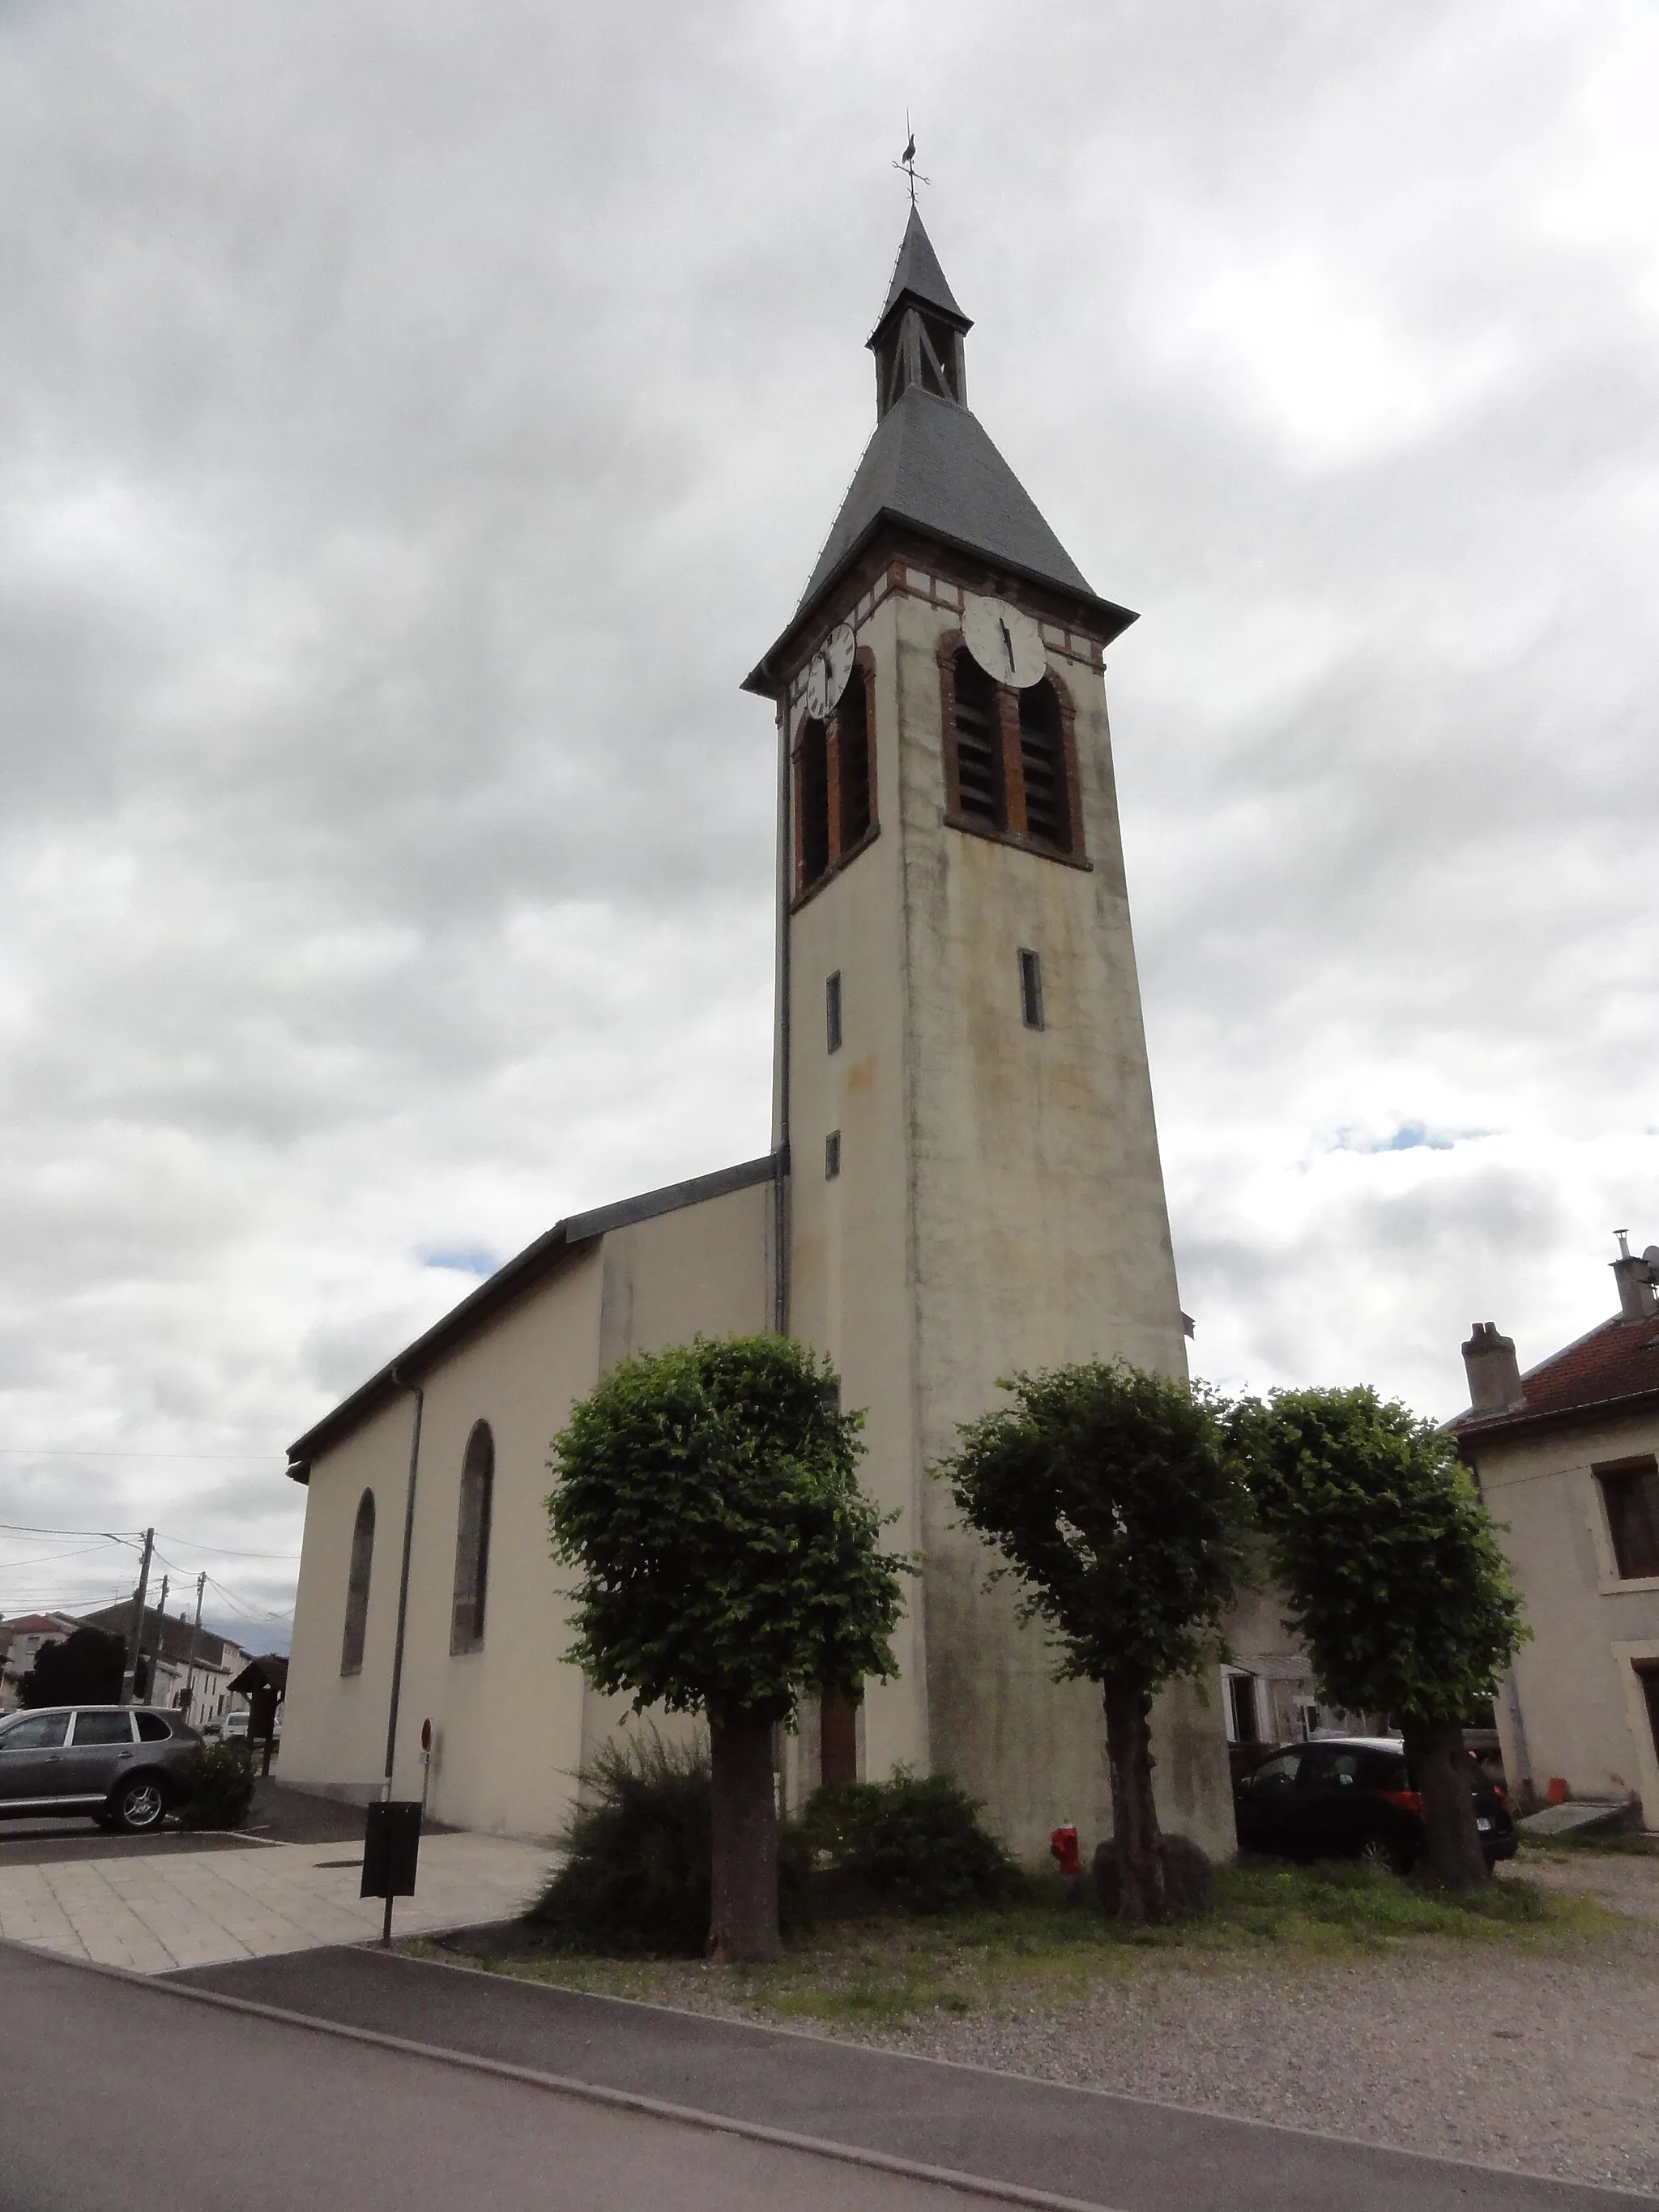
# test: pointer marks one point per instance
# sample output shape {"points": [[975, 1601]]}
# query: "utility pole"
{"points": [[130, 1670], [154, 1682], [195, 1644]]}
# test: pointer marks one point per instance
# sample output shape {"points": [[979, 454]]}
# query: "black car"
{"points": [[1352, 1796]]}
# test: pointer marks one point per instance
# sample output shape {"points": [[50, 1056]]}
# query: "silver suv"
{"points": [[121, 1765]]}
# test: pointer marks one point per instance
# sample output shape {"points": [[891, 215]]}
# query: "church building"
{"points": [[964, 1181]]}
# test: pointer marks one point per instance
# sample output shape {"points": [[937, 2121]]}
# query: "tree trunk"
{"points": [[743, 1918], [1453, 1858], [1134, 1811]]}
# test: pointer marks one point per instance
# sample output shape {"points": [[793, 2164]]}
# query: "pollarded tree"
{"points": [[1113, 1498], [1396, 1581], [726, 1560]]}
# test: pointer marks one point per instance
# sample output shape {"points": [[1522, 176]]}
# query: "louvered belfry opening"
{"points": [[853, 760], [1043, 755], [979, 746], [814, 802]]}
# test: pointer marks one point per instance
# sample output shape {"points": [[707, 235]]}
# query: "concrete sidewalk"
{"points": [[1119, 2151], [158, 1912]]}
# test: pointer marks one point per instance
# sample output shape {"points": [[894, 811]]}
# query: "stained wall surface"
{"points": [[1000, 1205]]}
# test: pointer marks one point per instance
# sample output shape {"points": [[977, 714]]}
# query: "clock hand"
{"points": [[1007, 643]]}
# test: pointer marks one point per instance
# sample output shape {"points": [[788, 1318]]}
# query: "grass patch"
{"points": [[1042, 1953]]}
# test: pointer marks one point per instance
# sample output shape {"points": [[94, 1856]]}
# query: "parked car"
{"points": [[1352, 1797], [121, 1766]]}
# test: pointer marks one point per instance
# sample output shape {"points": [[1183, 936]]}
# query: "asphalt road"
{"points": [[1123, 2152], [119, 2094], [279, 1816]]}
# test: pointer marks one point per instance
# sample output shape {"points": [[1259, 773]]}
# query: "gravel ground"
{"points": [[1542, 2056], [1546, 2060]]}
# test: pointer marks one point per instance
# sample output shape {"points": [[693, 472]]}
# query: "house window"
{"points": [[472, 1540], [1031, 988], [1630, 1495], [978, 741], [853, 760], [1647, 1673], [1043, 756], [832, 1011], [832, 1156], [1244, 1719], [812, 799], [356, 1612]]}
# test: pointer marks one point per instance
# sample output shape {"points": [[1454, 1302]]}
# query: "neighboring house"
{"points": [[20, 1640], [963, 1182], [1567, 1457], [192, 1673], [1267, 1691]]}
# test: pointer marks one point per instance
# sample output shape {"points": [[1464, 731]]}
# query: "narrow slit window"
{"points": [[813, 779], [1043, 755], [853, 760], [832, 1156], [832, 1013], [357, 1575], [978, 746], [472, 1540], [1030, 989]]}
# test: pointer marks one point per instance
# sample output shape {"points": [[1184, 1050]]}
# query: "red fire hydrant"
{"points": [[1062, 1849]]}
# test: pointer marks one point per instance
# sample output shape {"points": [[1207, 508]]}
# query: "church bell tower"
{"points": [[961, 1080]]}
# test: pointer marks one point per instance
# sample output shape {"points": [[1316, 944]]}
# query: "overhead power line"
{"points": [[97, 1451]]}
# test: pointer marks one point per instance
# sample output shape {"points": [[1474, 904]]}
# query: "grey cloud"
{"points": [[412, 426]]}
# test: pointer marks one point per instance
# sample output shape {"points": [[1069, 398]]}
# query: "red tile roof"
{"points": [[1618, 1359]]}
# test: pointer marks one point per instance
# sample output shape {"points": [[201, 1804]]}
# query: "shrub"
{"points": [[635, 1879], [915, 1842], [221, 1787]]}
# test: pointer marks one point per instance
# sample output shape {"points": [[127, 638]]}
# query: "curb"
{"points": [[1001, 2192]]}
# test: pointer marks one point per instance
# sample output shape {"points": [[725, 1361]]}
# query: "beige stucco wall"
{"points": [[1581, 1717], [512, 1721], [1000, 1205]]}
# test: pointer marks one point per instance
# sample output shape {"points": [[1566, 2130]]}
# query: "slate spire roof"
{"points": [[917, 275], [930, 468], [931, 464]]}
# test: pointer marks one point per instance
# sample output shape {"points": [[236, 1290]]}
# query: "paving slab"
{"points": [[1124, 2153], [161, 1911]]}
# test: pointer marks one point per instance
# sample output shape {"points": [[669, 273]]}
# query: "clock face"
{"points": [[826, 672], [1006, 643]]}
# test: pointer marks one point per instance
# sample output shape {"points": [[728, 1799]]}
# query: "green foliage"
{"points": [[221, 1787], [727, 1557], [1391, 1565], [634, 1881], [1112, 1497], [82, 1668], [915, 1842]]}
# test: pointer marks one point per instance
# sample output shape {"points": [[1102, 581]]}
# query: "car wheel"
{"points": [[139, 1805], [1384, 1852]]}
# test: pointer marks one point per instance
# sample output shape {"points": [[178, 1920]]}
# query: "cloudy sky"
{"points": [[413, 422]]}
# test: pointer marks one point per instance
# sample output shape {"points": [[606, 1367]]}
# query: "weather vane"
{"points": [[907, 161]]}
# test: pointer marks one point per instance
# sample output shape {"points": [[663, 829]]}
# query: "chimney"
{"points": [[1635, 1279], [1494, 1371]]}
